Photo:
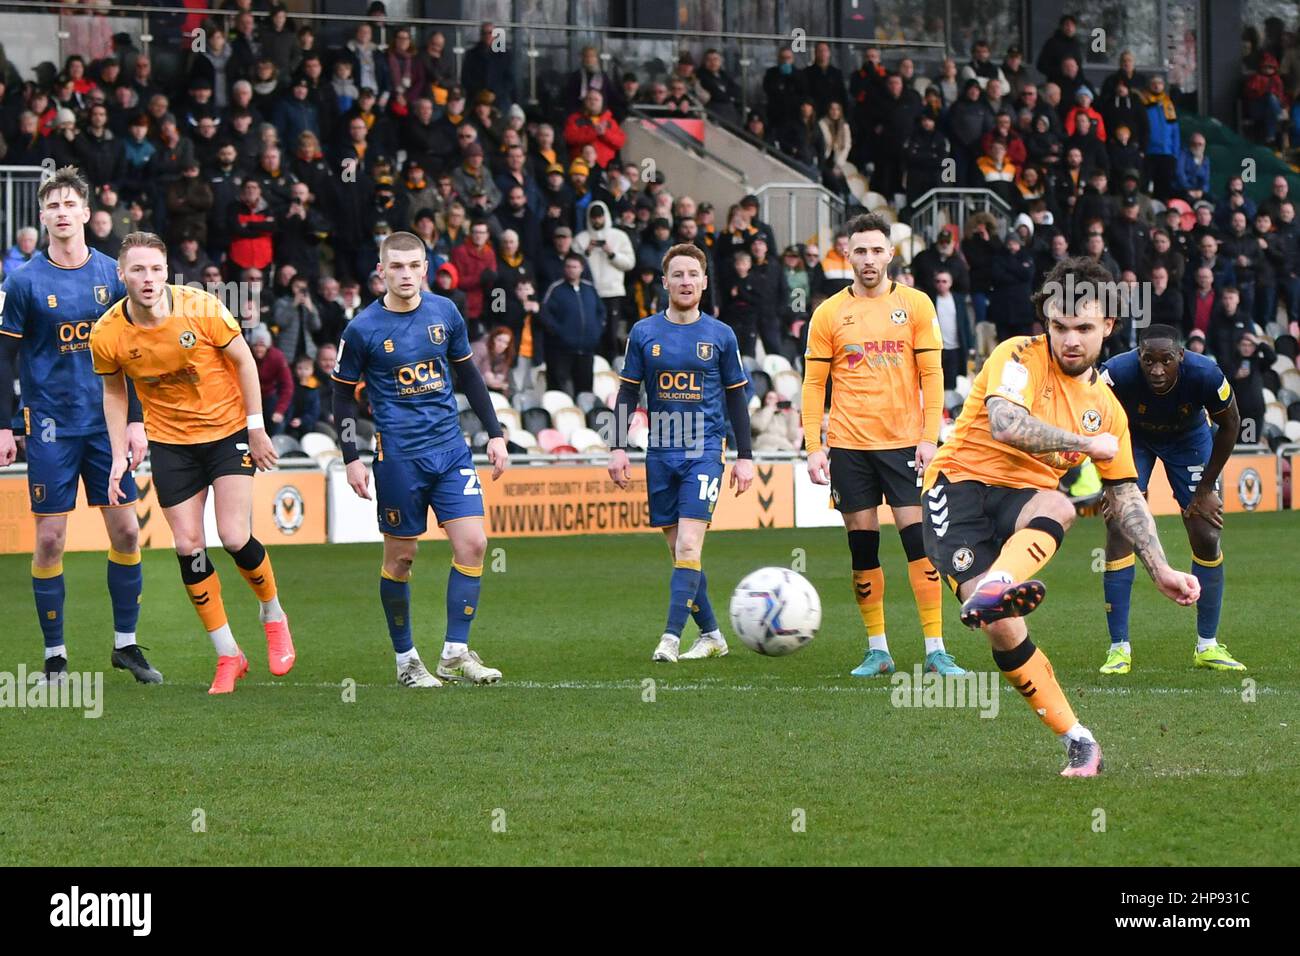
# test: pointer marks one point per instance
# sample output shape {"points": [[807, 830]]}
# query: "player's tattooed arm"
{"points": [[1127, 512], [1012, 425]]}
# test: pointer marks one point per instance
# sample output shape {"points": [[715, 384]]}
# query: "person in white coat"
{"points": [[609, 256]]}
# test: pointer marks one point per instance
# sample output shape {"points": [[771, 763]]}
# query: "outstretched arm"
{"points": [[1127, 513]]}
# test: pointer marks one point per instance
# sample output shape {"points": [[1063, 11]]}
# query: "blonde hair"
{"points": [[141, 240]]}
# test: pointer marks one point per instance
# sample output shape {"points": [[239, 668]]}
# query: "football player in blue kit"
{"points": [[1167, 393], [47, 309], [690, 365], [408, 347]]}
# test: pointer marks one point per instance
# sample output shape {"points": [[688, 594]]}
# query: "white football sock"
{"points": [[224, 641], [121, 640], [1125, 647], [995, 575], [405, 657], [878, 643], [60, 651], [713, 635], [453, 649], [1205, 642], [933, 644], [1077, 732], [271, 611]]}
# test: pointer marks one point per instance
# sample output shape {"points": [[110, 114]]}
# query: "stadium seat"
{"points": [[875, 202], [526, 400], [899, 232], [315, 444], [909, 247], [1291, 380], [1275, 415], [1292, 431], [617, 364], [555, 400], [1293, 412], [788, 385], [586, 401], [568, 420], [1286, 345], [586, 440], [599, 363], [1285, 397], [1270, 395], [510, 419], [605, 383], [365, 434], [761, 382], [1272, 380], [499, 401], [775, 363], [602, 420], [470, 423], [326, 429], [1283, 364], [524, 439], [462, 403], [284, 444], [565, 449], [548, 439], [295, 453], [536, 420], [749, 363]]}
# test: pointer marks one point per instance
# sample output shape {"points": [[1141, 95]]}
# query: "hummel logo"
{"points": [[286, 657], [863, 590]]}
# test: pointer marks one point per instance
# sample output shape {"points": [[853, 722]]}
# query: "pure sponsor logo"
{"points": [[77, 690], [77, 909], [882, 354]]}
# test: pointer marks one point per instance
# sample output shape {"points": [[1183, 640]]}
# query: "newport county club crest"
{"points": [[101, 294], [1250, 489], [963, 559], [288, 509], [188, 339], [704, 350], [1091, 421], [898, 316], [437, 334]]}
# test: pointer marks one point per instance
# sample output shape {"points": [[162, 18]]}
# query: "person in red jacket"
{"points": [[1083, 104], [596, 125], [1265, 98], [274, 377], [472, 259], [252, 228]]}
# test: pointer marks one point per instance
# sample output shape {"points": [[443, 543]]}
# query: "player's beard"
{"points": [[873, 282]]}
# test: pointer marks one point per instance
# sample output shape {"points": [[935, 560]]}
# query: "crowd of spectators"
{"points": [[271, 160]]}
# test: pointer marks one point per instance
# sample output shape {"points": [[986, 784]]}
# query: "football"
{"points": [[775, 611]]}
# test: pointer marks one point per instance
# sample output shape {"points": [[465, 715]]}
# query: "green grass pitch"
{"points": [[566, 763]]}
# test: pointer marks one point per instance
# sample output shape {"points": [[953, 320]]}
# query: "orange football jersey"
{"points": [[188, 388], [1022, 370], [878, 353]]}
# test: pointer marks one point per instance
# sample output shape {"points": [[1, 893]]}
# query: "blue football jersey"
{"points": [[405, 360], [52, 310], [686, 370], [1201, 387]]}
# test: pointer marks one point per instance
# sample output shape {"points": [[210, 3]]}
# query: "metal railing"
{"points": [[828, 210], [18, 205], [941, 207], [662, 123]]}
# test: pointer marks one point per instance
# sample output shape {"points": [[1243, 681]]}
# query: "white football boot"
{"points": [[666, 652], [468, 668], [415, 674], [712, 644]]}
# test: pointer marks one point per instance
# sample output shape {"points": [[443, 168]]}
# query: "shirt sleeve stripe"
{"points": [[12, 335], [630, 381], [744, 381], [464, 357], [344, 380], [815, 358]]}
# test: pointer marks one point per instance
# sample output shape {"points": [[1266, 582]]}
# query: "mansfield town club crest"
{"points": [[38, 493], [704, 350], [392, 516], [101, 294], [898, 316], [1250, 489], [437, 334], [188, 339]]}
